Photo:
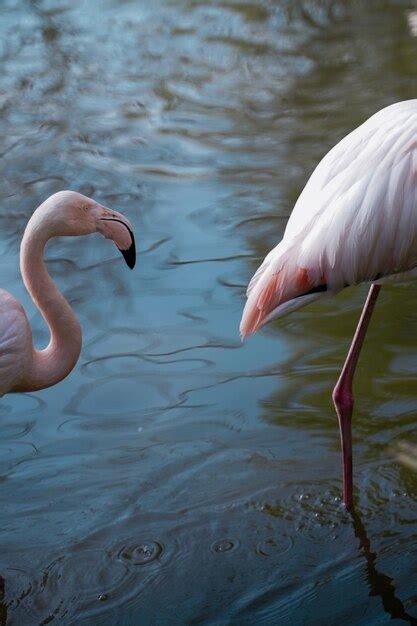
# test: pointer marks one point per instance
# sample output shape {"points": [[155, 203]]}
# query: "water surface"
{"points": [[178, 476]]}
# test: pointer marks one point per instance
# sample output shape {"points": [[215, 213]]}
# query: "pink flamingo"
{"points": [[355, 221], [22, 366]]}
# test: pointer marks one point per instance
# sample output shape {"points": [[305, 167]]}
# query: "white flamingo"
{"points": [[355, 221], [22, 366]]}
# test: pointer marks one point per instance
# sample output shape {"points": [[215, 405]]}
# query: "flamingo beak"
{"points": [[120, 231], [129, 255]]}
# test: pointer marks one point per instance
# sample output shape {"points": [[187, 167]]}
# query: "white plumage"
{"points": [[355, 220]]}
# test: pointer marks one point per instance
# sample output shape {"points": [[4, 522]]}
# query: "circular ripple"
{"points": [[141, 554], [271, 547], [224, 546], [85, 583]]}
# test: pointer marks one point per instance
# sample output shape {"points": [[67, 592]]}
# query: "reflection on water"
{"points": [[178, 476], [379, 584]]}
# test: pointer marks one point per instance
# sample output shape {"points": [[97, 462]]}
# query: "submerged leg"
{"points": [[343, 395]]}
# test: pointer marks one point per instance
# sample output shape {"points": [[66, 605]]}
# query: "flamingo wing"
{"points": [[15, 343], [355, 220]]}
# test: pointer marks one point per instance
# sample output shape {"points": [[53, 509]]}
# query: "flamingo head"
{"points": [[71, 214]]}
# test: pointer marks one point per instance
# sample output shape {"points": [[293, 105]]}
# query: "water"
{"points": [[177, 476]]}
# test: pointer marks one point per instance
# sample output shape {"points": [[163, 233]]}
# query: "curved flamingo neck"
{"points": [[56, 361]]}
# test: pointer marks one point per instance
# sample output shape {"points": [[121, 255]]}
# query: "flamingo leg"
{"points": [[343, 394]]}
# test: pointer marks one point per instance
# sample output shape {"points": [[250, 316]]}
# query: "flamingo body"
{"points": [[355, 220], [15, 342]]}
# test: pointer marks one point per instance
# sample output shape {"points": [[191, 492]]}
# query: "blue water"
{"points": [[178, 476]]}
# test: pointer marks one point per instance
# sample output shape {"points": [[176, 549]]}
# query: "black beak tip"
{"points": [[129, 255]]}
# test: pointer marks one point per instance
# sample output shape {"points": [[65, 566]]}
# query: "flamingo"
{"points": [[22, 366], [355, 221]]}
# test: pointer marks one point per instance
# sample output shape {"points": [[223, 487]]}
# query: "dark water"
{"points": [[176, 476]]}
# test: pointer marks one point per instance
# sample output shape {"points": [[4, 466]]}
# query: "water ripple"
{"points": [[176, 464]]}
